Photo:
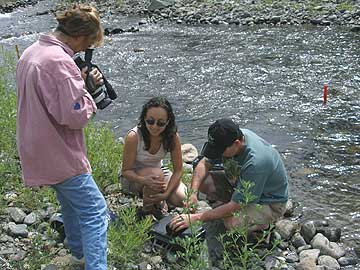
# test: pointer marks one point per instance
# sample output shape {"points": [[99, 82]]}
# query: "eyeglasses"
{"points": [[159, 123]]}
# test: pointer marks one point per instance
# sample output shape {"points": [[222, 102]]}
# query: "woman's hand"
{"points": [[95, 74], [156, 183]]}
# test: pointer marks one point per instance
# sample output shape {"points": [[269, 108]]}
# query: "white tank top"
{"points": [[143, 157]]}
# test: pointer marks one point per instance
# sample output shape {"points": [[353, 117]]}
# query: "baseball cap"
{"points": [[221, 135]]}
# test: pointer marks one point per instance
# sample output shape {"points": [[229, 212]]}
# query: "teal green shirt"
{"points": [[261, 164]]}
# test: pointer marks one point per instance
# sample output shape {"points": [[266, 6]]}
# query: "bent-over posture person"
{"points": [[259, 163], [53, 108]]}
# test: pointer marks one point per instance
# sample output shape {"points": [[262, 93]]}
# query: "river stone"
{"points": [[189, 152], [18, 256], [160, 4], [329, 262], [16, 214], [30, 218], [311, 254], [303, 248], [308, 231], [326, 247], [292, 257], [306, 264], [297, 240], [345, 261], [333, 234], [18, 230], [286, 228]]}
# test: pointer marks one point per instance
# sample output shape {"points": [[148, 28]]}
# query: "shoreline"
{"points": [[225, 12]]}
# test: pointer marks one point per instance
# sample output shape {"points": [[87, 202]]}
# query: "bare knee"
{"points": [[207, 186], [150, 171], [231, 222]]}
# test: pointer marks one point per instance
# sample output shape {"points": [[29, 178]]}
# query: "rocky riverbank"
{"points": [[305, 245], [247, 12], [235, 12]]}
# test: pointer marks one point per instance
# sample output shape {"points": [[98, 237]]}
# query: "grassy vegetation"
{"points": [[347, 6], [126, 238], [127, 235]]}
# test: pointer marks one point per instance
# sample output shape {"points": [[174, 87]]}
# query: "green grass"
{"points": [[126, 238], [347, 5], [104, 153]]}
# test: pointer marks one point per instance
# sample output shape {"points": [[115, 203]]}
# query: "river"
{"points": [[268, 79]]}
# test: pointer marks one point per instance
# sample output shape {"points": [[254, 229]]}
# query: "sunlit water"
{"points": [[269, 79]]}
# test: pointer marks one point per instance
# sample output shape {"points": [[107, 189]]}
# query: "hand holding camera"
{"points": [[95, 81]]}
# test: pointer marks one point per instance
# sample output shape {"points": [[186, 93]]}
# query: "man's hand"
{"points": [[180, 222], [192, 203]]}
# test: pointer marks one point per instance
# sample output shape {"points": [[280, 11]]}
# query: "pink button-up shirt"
{"points": [[53, 108]]}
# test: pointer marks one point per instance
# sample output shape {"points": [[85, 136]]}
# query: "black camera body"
{"points": [[102, 96]]}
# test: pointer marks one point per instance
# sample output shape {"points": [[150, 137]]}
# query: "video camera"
{"points": [[102, 96]]}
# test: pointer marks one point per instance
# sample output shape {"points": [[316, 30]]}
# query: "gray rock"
{"points": [[326, 247], [271, 262], [30, 218], [160, 4], [329, 262], [16, 214], [189, 152], [311, 254], [286, 228], [308, 231], [297, 240], [144, 266], [292, 257], [306, 264], [333, 234], [345, 261], [18, 230], [304, 248], [142, 22], [18, 256]]}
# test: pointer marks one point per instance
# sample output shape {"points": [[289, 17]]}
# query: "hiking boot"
{"points": [[158, 211]]}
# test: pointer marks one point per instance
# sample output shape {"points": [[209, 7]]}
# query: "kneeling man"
{"points": [[259, 163]]}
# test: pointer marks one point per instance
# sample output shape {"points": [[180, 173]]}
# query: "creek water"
{"points": [[268, 79]]}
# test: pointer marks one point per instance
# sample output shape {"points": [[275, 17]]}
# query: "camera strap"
{"points": [[89, 80]]}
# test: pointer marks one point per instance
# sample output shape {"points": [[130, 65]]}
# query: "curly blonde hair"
{"points": [[81, 20]]}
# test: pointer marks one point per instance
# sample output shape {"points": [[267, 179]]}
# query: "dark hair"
{"points": [[169, 133]]}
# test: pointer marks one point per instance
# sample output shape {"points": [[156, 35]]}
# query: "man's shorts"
{"points": [[256, 213]]}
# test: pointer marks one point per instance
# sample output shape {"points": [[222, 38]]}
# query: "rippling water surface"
{"points": [[269, 79]]}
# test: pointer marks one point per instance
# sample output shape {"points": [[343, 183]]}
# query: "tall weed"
{"points": [[126, 238], [104, 153]]}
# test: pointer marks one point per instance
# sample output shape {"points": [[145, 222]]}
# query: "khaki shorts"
{"points": [[135, 189], [255, 213]]}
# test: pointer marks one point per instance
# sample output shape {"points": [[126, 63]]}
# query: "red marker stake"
{"points": [[325, 93]]}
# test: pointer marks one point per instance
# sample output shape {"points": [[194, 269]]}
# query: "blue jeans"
{"points": [[84, 210]]}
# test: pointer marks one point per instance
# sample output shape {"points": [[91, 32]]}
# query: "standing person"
{"points": [[145, 147], [259, 163], [53, 108]]}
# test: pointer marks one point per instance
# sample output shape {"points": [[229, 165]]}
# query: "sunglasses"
{"points": [[151, 122]]}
